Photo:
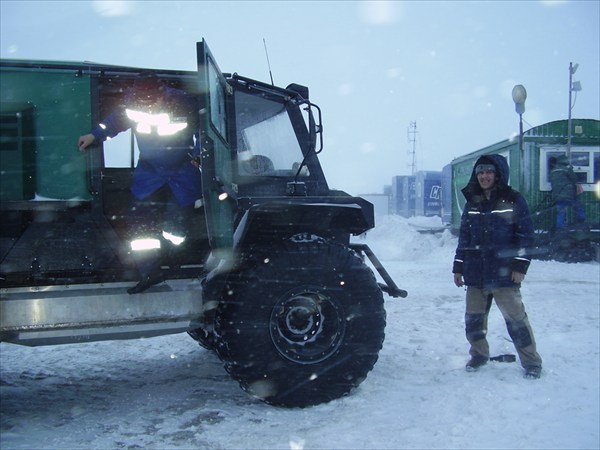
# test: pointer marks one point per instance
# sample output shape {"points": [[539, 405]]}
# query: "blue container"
{"points": [[403, 195], [428, 193]]}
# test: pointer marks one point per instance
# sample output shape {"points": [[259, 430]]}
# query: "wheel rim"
{"points": [[306, 326]]}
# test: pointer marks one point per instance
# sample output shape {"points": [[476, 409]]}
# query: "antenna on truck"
{"points": [[268, 63]]}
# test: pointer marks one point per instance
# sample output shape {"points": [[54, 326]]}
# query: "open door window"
{"points": [[217, 186]]}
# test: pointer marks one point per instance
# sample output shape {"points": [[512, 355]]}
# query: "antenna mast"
{"points": [[412, 137], [268, 62]]}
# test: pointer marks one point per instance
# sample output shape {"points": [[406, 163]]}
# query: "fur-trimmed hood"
{"points": [[502, 176]]}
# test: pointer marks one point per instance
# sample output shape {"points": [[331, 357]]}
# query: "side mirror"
{"points": [[315, 128]]}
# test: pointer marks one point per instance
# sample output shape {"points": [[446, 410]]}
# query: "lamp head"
{"points": [[519, 95]]}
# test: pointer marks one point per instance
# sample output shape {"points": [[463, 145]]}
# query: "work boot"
{"points": [[533, 372], [146, 282], [475, 363]]}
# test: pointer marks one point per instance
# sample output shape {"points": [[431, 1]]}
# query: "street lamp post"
{"points": [[574, 86], [519, 95]]}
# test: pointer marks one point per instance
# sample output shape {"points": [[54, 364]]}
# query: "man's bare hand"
{"points": [[458, 280], [518, 277], [195, 160], [85, 141]]}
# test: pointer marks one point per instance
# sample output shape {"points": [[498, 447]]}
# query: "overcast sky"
{"points": [[373, 67]]}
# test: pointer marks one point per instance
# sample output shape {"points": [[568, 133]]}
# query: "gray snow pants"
{"points": [[508, 300]]}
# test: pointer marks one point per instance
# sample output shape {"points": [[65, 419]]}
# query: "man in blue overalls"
{"points": [[164, 121]]}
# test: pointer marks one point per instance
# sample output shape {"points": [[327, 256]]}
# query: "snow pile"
{"points": [[167, 393], [398, 239]]}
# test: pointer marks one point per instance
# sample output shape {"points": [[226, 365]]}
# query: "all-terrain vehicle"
{"points": [[269, 279]]}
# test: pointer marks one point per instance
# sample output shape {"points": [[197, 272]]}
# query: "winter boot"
{"points": [[475, 363], [154, 277], [533, 372]]}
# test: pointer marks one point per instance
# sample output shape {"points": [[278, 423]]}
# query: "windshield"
{"points": [[266, 143]]}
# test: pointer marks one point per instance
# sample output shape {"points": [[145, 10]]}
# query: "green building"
{"points": [[529, 174]]}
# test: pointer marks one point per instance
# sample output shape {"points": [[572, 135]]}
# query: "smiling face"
{"points": [[487, 179]]}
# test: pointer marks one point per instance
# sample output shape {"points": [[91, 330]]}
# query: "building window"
{"points": [[585, 162]]}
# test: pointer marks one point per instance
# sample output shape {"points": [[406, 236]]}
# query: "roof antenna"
{"points": [[268, 63]]}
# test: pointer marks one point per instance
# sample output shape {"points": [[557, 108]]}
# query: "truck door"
{"points": [[218, 189]]}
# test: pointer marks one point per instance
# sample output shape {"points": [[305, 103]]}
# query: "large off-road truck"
{"points": [[269, 277]]}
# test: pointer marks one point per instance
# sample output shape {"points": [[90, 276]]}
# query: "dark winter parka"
{"points": [[563, 180], [495, 234]]}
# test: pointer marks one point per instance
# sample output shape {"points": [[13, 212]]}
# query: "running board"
{"points": [[48, 315]]}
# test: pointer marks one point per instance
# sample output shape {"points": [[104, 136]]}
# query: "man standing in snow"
{"points": [[164, 121], [491, 260]]}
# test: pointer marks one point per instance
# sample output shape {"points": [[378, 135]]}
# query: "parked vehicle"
{"points": [[270, 279]]}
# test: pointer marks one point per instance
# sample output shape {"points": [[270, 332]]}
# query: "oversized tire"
{"points": [[301, 323], [204, 338]]}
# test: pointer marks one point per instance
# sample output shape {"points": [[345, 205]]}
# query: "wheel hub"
{"points": [[306, 326]]}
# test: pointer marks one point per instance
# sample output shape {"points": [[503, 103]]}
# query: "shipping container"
{"points": [[428, 193], [403, 195]]}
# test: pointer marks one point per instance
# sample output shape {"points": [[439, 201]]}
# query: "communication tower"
{"points": [[412, 139]]}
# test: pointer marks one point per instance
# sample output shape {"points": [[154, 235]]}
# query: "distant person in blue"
{"points": [[564, 190], [491, 259], [165, 123]]}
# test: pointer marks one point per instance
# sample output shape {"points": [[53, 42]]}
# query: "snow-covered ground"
{"points": [[167, 392]]}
